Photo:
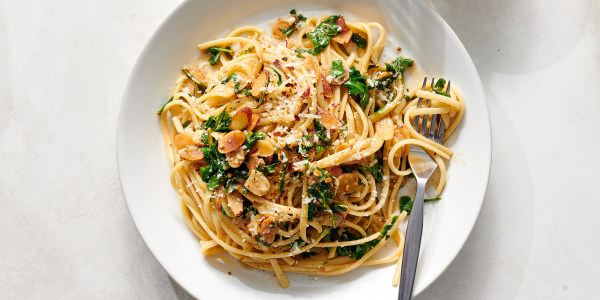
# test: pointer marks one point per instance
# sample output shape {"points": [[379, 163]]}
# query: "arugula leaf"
{"points": [[235, 78], [323, 33], [186, 123], [204, 138], [439, 85], [337, 69], [433, 199], [321, 131], [252, 137], [323, 191], [374, 170], [163, 107], [278, 75], [300, 17], [219, 123], [358, 40], [397, 68], [357, 85], [216, 54], [358, 251], [406, 204], [300, 51], [267, 170], [201, 86]]}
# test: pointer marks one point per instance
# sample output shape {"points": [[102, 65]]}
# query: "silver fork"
{"points": [[422, 166]]}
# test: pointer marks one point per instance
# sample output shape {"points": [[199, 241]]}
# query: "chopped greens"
{"points": [[406, 204], [337, 69], [433, 199], [282, 176], [164, 105], [439, 86], [374, 170], [321, 132], [218, 170], [252, 137], [201, 86], [323, 33], [215, 53], [322, 190], [358, 251], [359, 40], [237, 87], [300, 51], [396, 68], [278, 76], [220, 123], [300, 17], [357, 85], [186, 123]]}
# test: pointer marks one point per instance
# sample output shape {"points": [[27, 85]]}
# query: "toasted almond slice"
{"points": [[328, 120], [335, 171], [253, 162], [260, 82], [266, 229], [341, 22], [191, 153], [235, 201], [257, 183], [254, 120], [263, 148], [231, 141], [184, 140], [385, 129], [240, 120], [236, 157], [327, 89], [343, 37]]}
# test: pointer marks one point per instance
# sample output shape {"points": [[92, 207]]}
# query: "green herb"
{"points": [[278, 75], [249, 209], [300, 17], [406, 204], [320, 148], [374, 170], [216, 54], [201, 86], [321, 131], [267, 170], [439, 85], [323, 191], [219, 123], [186, 123], [245, 92], [260, 240], [433, 199], [323, 33], [218, 170], [338, 209], [396, 68], [282, 175], [337, 69], [245, 191], [358, 251], [164, 105], [300, 51], [252, 137], [235, 78], [358, 40], [204, 138], [357, 85]]}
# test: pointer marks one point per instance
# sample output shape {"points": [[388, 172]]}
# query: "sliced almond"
{"points": [[222, 205], [231, 141], [253, 162], [327, 89], [184, 140], [328, 120], [341, 22], [263, 148], [335, 171], [235, 201], [385, 129], [240, 120], [267, 229], [258, 83], [343, 37], [236, 157], [254, 120], [257, 183], [191, 153], [283, 24]]}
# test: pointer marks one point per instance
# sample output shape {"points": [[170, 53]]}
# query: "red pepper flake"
{"points": [[296, 118], [289, 84], [306, 93], [229, 272], [277, 63], [290, 68], [284, 58]]}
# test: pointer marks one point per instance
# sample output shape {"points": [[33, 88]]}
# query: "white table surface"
{"points": [[65, 232]]}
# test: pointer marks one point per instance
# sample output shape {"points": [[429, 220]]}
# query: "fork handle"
{"points": [[412, 244]]}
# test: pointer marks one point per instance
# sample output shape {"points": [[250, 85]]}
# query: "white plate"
{"points": [[155, 207]]}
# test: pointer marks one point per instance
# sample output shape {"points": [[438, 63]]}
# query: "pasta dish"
{"points": [[289, 146]]}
